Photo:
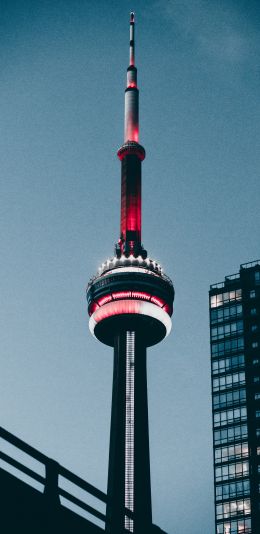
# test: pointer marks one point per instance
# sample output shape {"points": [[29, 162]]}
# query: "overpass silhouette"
{"points": [[40, 496]]}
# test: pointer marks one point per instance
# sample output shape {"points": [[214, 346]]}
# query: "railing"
{"points": [[218, 285], [235, 276], [249, 264], [52, 490], [229, 278]]}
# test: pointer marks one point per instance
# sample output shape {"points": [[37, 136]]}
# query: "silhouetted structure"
{"points": [[130, 305], [37, 494], [235, 360], [29, 509]]}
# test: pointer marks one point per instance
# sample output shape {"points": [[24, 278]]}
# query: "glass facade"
{"points": [[234, 307]]}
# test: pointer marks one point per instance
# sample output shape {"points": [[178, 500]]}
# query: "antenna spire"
{"points": [[131, 92], [132, 39]]}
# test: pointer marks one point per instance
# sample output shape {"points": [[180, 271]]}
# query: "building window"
{"points": [[235, 526], [256, 379], [254, 344], [257, 396], [227, 435], [230, 345], [218, 332], [252, 294], [231, 452], [257, 276], [253, 311], [227, 417], [224, 314], [232, 508], [229, 471], [257, 413], [258, 451], [233, 490], [227, 399], [228, 381], [255, 361], [254, 328], [258, 432], [226, 364], [222, 298]]}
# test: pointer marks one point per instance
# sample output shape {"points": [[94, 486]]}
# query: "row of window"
{"points": [[228, 381], [223, 298], [232, 508], [229, 471], [218, 332], [234, 433], [232, 490], [226, 364], [223, 314], [227, 417], [230, 345], [235, 526], [224, 400], [232, 452]]}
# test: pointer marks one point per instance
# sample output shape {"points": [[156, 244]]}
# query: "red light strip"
{"points": [[158, 301], [141, 295], [104, 300], [119, 295]]}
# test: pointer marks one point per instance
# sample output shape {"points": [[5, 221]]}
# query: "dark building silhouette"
{"points": [[235, 360], [130, 304]]}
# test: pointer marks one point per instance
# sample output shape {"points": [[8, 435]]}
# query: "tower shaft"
{"points": [[129, 467]]}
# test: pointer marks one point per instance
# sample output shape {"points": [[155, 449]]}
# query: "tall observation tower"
{"points": [[130, 304]]}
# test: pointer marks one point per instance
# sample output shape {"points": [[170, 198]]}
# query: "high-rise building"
{"points": [[130, 304], [235, 360]]}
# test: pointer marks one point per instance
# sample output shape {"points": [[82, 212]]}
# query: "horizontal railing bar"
{"points": [[23, 446], [9, 460], [81, 504], [82, 483]]}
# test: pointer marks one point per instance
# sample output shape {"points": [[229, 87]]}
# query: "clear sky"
{"points": [[63, 70]]}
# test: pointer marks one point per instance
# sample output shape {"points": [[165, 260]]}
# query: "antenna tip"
{"points": [[132, 16]]}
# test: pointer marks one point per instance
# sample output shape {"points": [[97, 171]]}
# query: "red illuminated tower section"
{"points": [[131, 154], [130, 306]]}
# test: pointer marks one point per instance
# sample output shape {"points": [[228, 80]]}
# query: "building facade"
{"points": [[235, 368]]}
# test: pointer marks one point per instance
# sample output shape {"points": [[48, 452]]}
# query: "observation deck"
{"points": [[130, 293]]}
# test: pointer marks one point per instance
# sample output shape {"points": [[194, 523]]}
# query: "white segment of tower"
{"points": [[131, 93]]}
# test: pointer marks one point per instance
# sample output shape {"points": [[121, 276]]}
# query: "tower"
{"points": [[235, 361], [130, 306]]}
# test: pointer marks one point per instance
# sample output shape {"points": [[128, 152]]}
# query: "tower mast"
{"points": [[130, 305]]}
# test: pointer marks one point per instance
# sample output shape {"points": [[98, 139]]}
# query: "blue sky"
{"points": [[63, 67]]}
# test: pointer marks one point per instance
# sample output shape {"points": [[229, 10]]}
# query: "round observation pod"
{"points": [[130, 294]]}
